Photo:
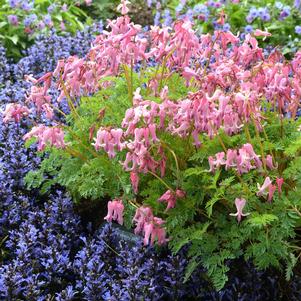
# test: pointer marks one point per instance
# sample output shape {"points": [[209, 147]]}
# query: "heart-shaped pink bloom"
{"points": [[265, 186], [240, 204], [115, 211], [279, 182]]}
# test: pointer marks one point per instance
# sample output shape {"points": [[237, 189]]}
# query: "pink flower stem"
{"points": [[75, 153], [70, 102], [161, 180], [267, 139], [176, 161], [74, 135], [246, 127], [133, 204], [260, 144], [164, 67], [129, 82], [57, 109]]}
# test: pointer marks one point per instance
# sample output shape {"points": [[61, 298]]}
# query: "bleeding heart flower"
{"points": [[115, 211], [240, 204], [262, 189], [279, 182]]}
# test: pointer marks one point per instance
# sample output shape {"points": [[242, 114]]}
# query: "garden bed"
{"points": [[150, 163]]}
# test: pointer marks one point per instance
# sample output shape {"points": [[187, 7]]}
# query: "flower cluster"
{"points": [[240, 160], [53, 136], [150, 225]]}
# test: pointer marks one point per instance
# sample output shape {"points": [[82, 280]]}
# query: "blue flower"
{"points": [[226, 27], [249, 29], [298, 29]]}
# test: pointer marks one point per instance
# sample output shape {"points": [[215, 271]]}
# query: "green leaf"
{"points": [[289, 267], [14, 39], [262, 220], [193, 264]]}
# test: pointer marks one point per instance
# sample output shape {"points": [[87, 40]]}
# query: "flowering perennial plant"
{"points": [[156, 140]]}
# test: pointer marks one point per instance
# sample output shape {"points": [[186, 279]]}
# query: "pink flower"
{"points": [[153, 231], [231, 158], [279, 182], [109, 141], [53, 136], [240, 204], [164, 93], [142, 216], [171, 198], [249, 151], [260, 33], [219, 161], [180, 193], [216, 163], [122, 7], [63, 26], [135, 181], [48, 111], [14, 111], [211, 164], [137, 98], [269, 162], [272, 189], [262, 189], [115, 211]]}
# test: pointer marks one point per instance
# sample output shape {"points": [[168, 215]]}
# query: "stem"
{"points": [[57, 109], [133, 204], [248, 133], [176, 161], [162, 181], [111, 248], [260, 144], [95, 154], [128, 81], [76, 154], [164, 66], [222, 143], [70, 102]]}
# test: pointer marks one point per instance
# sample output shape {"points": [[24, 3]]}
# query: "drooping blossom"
{"points": [[279, 182], [123, 7], [54, 136], [48, 110], [265, 186], [260, 33], [14, 111], [272, 189], [243, 160], [115, 211], [109, 140], [269, 162], [38, 97], [240, 204], [217, 162], [134, 177], [142, 216], [170, 198], [154, 230]]}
